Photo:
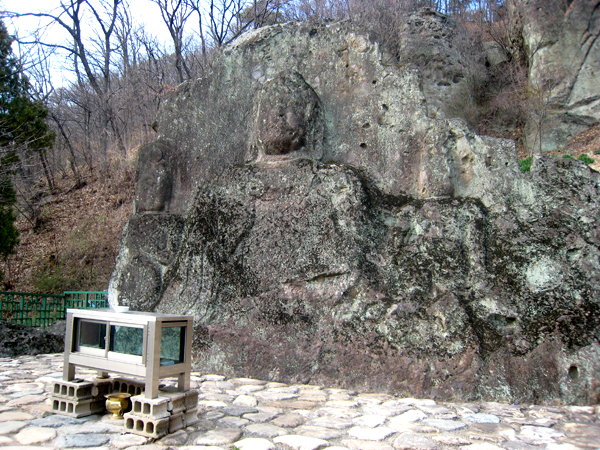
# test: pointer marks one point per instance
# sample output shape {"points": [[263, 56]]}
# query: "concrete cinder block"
{"points": [[191, 399], [100, 388], [190, 417], [176, 422], [155, 408], [176, 401], [77, 408], [143, 426], [72, 390], [128, 385]]}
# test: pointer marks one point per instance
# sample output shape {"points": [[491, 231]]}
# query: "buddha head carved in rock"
{"points": [[286, 120]]}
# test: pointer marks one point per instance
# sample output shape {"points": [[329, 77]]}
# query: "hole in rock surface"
{"points": [[573, 372]]}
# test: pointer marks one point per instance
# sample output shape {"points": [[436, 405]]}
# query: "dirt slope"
{"points": [[74, 242]]}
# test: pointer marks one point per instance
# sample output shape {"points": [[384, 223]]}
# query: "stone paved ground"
{"points": [[247, 414]]}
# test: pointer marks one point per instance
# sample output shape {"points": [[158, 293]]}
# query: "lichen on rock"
{"points": [[322, 227]]}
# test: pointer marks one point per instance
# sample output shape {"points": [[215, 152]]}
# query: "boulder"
{"points": [[322, 226]]}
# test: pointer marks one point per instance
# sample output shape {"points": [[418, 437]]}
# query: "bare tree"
{"points": [[127, 46], [225, 20], [175, 14], [194, 5], [92, 55]]}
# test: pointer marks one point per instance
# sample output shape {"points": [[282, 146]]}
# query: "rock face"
{"points": [[18, 340], [562, 40], [321, 226], [447, 58]]}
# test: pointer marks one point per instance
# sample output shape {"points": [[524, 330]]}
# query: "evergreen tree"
{"points": [[22, 130]]}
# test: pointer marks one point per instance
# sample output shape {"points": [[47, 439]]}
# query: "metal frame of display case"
{"points": [[147, 366]]}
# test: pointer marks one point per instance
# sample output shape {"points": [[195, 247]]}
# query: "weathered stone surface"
{"points": [[238, 410], [26, 400], [413, 441], [127, 440], [11, 426], [245, 400], [480, 418], [334, 422], [230, 421], [370, 421], [482, 446], [564, 58], [318, 432], [81, 440], [370, 434], [413, 415], [434, 44], [55, 421], [287, 119], [16, 340], [539, 435], [221, 436], [14, 416], [377, 247], [27, 393], [290, 420], [262, 416], [265, 430], [254, 444], [445, 425], [366, 445], [295, 442], [34, 435]]}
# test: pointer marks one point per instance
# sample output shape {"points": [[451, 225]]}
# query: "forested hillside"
{"points": [[74, 240]]}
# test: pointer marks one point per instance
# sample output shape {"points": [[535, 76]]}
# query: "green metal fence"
{"points": [[42, 310]]}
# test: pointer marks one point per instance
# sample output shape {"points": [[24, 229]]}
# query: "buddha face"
{"points": [[286, 116], [282, 128]]}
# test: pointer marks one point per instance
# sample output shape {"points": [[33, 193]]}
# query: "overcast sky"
{"points": [[143, 12]]}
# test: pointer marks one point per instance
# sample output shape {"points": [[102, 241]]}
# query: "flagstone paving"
{"points": [[247, 414]]}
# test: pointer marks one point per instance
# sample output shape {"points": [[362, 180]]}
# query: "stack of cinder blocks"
{"points": [[127, 386], [169, 412], [80, 398]]}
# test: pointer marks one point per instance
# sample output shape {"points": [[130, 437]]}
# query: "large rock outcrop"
{"points": [[562, 42], [321, 226], [17, 340]]}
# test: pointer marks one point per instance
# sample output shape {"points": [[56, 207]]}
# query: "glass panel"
{"points": [[128, 340], [172, 343], [92, 334]]}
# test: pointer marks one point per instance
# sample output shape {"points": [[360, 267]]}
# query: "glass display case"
{"points": [[140, 344]]}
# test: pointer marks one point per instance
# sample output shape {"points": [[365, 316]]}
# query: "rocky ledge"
{"points": [[249, 414]]}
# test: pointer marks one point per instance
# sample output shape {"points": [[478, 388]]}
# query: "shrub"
{"points": [[568, 157], [525, 164], [52, 280], [586, 159]]}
